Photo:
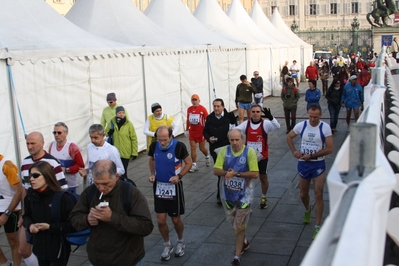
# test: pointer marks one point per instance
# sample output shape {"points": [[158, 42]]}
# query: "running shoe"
{"points": [[306, 216], [235, 262], [166, 252], [245, 247], [315, 231], [180, 249], [207, 161], [193, 168], [263, 203]]}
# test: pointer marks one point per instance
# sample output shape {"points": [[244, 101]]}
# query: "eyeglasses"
{"points": [[57, 132], [256, 74], [255, 111], [194, 99], [111, 102], [35, 175]]}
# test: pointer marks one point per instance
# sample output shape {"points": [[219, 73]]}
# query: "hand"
{"points": [[151, 178], [306, 157], [101, 213], [33, 229], [186, 134], [174, 179], [297, 154], [92, 220], [232, 118], [3, 219], [133, 157], [230, 173], [83, 172], [42, 226], [267, 113]]}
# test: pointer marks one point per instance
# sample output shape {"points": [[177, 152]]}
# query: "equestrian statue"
{"points": [[382, 13]]}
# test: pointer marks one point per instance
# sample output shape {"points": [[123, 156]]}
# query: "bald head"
{"points": [[103, 168], [35, 144]]}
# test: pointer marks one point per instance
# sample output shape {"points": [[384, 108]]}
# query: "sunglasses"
{"points": [[255, 111], [57, 132], [35, 175]]}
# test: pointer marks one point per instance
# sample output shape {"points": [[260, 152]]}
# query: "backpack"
{"points": [[285, 90], [110, 138], [80, 238]]}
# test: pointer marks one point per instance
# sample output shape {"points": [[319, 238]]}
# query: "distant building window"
{"points": [[355, 7], [397, 4], [312, 10], [59, 1], [292, 10], [273, 7], [334, 9]]}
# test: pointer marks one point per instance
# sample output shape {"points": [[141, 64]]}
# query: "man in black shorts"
{"points": [[11, 196], [166, 165]]}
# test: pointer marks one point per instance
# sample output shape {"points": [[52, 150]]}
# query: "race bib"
{"points": [[257, 146], [235, 183], [165, 190], [194, 119], [309, 147]]}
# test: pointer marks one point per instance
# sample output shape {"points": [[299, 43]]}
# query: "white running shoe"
{"points": [[180, 249], [193, 168], [207, 161], [166, 252]]}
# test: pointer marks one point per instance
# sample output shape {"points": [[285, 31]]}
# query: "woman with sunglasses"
{"points": [[47, 236], [333, 97]]}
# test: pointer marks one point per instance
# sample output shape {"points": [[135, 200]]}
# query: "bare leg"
{"points": [[348, 116], [179, 226], [13, 240], [163, 226], [239, 242], [318, 183], [193, 146], [304, 192], [356, 113], [240, 115], [202, 148], [264, 183]]}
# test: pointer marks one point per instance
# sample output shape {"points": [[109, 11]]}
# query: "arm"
{"points": [[133, 140], [271, 125], [290, 136], [116, 158], [74, 152], [327, 150], [64, 226], [175, 127], [146, 129], [80, 212], [297, 96], [102, 120], [151, 165], [187, 165], [219, 171]]}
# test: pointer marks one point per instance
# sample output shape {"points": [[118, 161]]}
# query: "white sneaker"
{"points": [[207, 161], [180, 249], [193, 168], [166, 252]]}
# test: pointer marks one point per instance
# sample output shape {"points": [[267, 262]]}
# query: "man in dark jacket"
{"points": [[116, 238], [217, 126], [257, 81]]}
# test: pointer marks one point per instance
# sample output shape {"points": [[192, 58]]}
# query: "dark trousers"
{"points": [[214, 156], [333, 109], [290, 118]]}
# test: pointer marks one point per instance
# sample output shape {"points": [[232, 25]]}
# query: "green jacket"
{"points": [[109, 113], [125, 138], [290, 97]]}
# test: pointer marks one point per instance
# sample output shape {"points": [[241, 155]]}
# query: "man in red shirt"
{"points": [[196, 117], [312, 72]]}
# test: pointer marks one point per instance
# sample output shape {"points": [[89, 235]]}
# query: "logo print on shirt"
{"points": [[169, 155], [243, 160]]}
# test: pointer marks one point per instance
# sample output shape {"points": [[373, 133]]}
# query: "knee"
{"points": [[24, 251], [161, 222], [176, 220], [304, 194], [318, 195]]}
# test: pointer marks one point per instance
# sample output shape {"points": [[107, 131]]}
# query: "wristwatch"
{"points": [[180, 176], [7, 212], [238, 174], [67, 170]]}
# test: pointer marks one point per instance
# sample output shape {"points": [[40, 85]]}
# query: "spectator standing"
{"points": [[313, 94], [290, 97], [217, 126], [316, 142], [257, 81], [395, 49], [109, 111], [10, 204], [124, 138], [343, 77], [47, 235], [335, 69], [312, 73], [166, 166], [116, 234], [284, 71], [294, 69], [333, 97], [158, 118], [195, 124], [243, 98], [238, 165], [68, 154], [364, 77], [324, 73], [352, 98], [256, 132]]}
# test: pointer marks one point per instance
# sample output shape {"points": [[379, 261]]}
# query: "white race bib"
{"points": [[235, 183], [165, 190], [194, 119], [257, 146]]}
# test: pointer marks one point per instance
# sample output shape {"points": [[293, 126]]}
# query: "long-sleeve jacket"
{"points": [[217, 128], [352, 96], [125, 138], [258, 83], [290, 97], [333, 96], [244, 93], [312, 97], [312, 73], [47, 243], [121, 240]]}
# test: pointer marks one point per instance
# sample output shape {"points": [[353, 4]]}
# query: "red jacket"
{"points": [[312, 72]]}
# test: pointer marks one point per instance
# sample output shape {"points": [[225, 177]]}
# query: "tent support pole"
{"points": [[14, 119], [142, 54]]}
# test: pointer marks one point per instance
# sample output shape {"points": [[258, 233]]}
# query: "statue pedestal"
{"points": [[379, 32]]}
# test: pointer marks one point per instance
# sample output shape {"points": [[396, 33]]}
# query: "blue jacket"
{"points": [[352, 96], [312, 97]]}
